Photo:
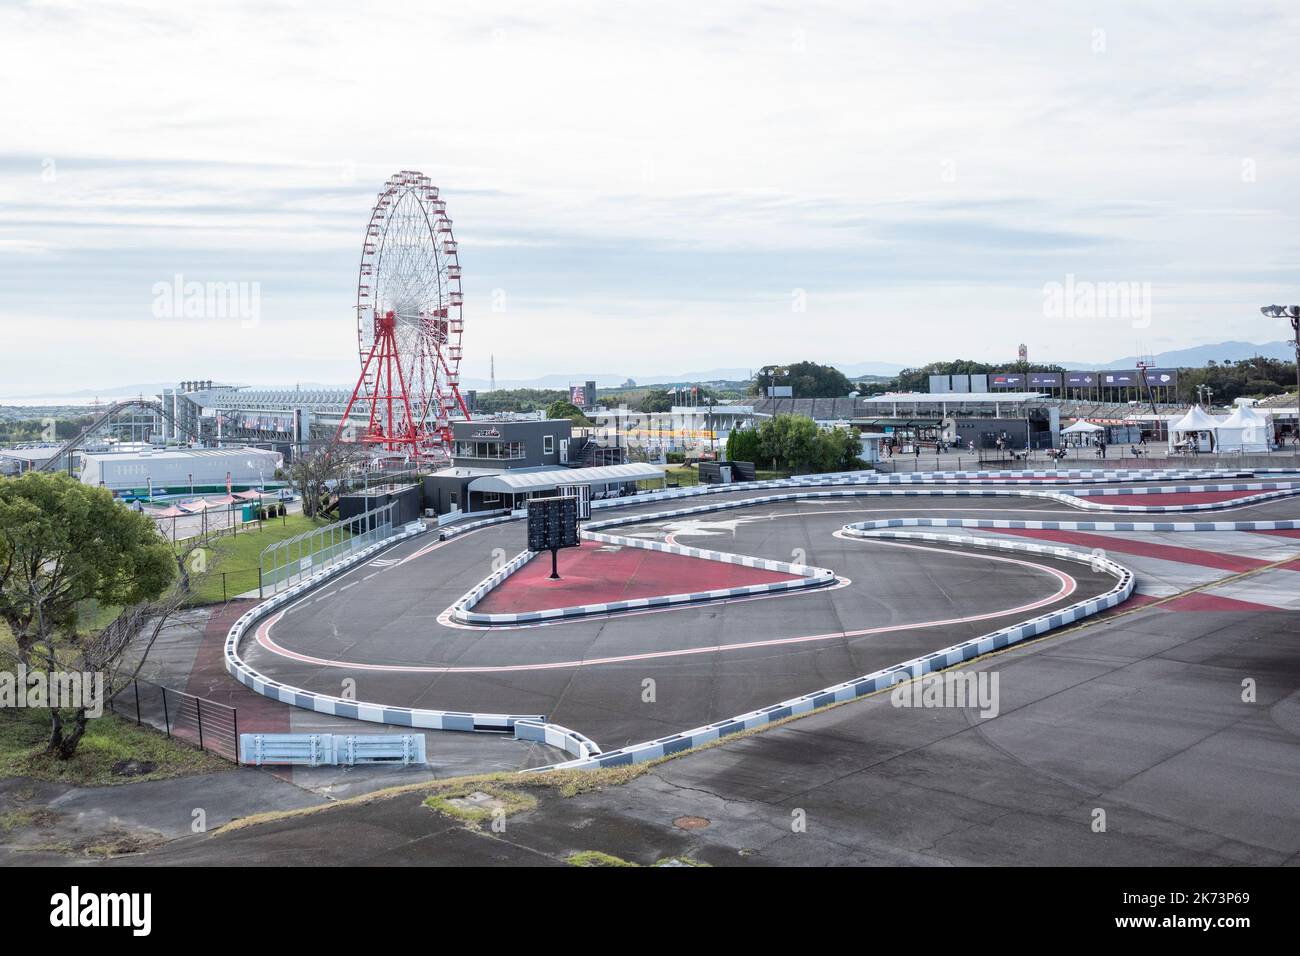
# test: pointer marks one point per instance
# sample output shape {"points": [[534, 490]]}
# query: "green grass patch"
{"points": [[596, 858], [110, 742], [25, 817], [236, 556], [684, 476], [475, 803], [568, 783]]}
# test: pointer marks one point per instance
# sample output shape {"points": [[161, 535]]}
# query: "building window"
{"points": [[548, 444], [496, 450]]}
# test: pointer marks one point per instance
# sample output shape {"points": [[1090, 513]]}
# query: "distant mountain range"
{"points": [[1193, 357], [1198, 356]]}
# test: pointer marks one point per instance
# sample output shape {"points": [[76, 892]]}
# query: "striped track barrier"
{"points": [[886, 677], [426, 719]]}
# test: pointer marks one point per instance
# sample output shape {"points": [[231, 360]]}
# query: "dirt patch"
{"points": [[133, 768]]}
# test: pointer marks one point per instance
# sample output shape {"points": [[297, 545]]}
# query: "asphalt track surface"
{"points": [[631, 677], [1139, 712]]}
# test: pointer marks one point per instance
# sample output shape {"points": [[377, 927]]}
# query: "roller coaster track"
{"points": [[79, 439]]}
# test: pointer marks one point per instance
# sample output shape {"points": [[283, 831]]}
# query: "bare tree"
{"points": [[316, 471]]}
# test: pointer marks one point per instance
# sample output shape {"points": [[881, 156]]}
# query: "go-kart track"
{"points": [[688, 615]]}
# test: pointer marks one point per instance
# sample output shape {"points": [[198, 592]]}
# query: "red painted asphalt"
{"points": [[1121, 545], [1195, 601], [1201, 601], [209, 680], [597, 574], [1185, 498]]}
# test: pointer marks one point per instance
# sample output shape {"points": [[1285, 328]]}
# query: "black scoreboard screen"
{"points": [[552, 523]]}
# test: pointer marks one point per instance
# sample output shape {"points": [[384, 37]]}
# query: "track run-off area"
{"points": [[691, 614]]}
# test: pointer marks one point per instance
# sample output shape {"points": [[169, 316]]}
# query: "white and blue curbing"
{"points": [[422, 718], [805, 577], [587, 754], [1006, 478], [886, 677], [562, 738]]}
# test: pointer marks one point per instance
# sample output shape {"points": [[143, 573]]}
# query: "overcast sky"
{"points": [[701, 186]]}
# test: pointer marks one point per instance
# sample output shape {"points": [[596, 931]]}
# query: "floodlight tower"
{"points": [[1291, 312]]}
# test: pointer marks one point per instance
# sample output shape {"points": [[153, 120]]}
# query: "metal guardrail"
{"points": [[286, 562], [206, 724], [318, 750]]}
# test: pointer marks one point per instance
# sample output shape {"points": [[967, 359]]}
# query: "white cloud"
{"points": [[653, 181]]}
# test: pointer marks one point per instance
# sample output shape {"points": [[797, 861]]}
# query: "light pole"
{"points": [[1291, 312]]}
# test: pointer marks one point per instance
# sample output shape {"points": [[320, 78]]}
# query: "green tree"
{"points": [[659, 400], [63, 544], [806, 379], [789, 441], [743, 445], [563, 408], [517, 400], [838, 450]]}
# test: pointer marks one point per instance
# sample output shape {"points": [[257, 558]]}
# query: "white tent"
{"points": [[1081, 433], [1191, 427], [1082, 428], [1245, 430]]}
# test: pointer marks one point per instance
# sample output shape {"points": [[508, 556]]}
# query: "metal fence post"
{"points": [[198, 709], [167, 720], [136, 684]]}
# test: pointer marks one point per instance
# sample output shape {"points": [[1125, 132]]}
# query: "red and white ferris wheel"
{"points": [[409, 323]]}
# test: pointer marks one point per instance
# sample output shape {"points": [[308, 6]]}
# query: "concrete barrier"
{"points": [[316, 750]]}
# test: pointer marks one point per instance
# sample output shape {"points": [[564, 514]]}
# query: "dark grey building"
{"points": [[517, 444], [501, 464]]}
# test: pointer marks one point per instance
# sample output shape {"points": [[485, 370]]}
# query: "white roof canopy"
{"points": [[1081, 426], [1195, 421], [518, 482], [1245, 417]]}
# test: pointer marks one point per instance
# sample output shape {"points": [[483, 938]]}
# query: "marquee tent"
{"points": [[1191, 427], [1245, 430]]}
